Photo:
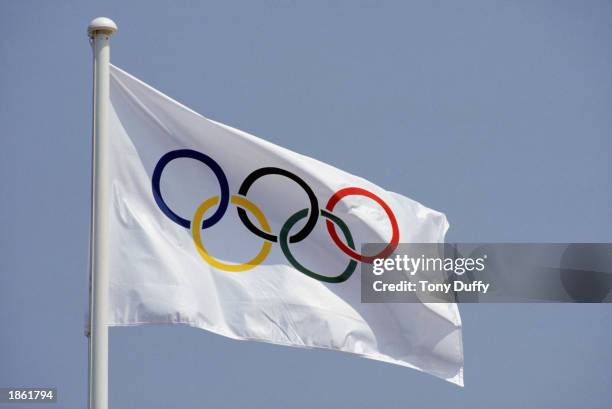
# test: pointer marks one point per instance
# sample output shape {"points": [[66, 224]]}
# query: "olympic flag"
{"points": [[217, 229]]}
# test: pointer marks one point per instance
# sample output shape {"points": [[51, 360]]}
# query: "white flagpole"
{"points": [[99, 30]]}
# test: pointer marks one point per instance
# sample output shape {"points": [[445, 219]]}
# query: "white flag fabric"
{"points": [[217, 229]]}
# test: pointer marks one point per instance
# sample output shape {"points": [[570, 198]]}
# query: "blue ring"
{"points": [[208, 161]]}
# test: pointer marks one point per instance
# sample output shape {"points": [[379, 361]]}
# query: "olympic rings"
{"points": [[349, 191], [239, 201], [314, 204], [264, 231]]}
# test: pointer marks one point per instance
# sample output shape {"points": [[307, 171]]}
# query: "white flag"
{"points": [[217, 229]]}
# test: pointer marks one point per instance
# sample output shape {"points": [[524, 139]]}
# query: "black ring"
{"points": [[313, 215]]}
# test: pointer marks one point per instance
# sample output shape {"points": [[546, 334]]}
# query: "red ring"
{"points": [[331, 228]]}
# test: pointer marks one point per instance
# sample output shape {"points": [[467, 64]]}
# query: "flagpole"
{"points": [[99, 30]]}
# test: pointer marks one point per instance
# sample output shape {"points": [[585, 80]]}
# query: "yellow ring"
{"points": [[197, 239]]}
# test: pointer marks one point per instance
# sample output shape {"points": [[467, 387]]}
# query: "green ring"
{"points": [[284, 243]]}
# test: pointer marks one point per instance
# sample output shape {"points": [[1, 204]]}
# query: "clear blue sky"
{"points": [[498, 113]]}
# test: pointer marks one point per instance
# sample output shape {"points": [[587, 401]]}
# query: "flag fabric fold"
{"points": [[215, 228]]}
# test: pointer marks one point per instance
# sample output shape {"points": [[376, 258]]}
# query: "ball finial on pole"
{"points": [[101, 24]]}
